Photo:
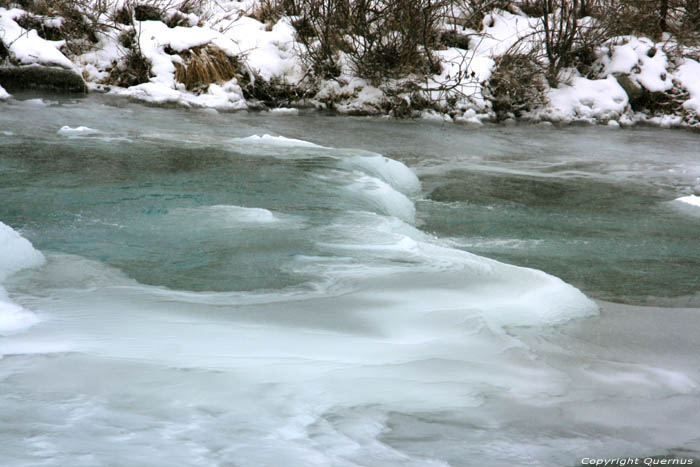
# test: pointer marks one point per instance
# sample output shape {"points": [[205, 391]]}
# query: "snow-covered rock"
{"points": [[26, 47], [588, 100]]}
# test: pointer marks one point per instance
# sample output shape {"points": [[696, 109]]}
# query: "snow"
{"points": [[587, 100], [632, 57], [26, 46], [227, 96], [284, 111], [270, 52], [4, 94], [276, 141], [502, 30], [688, 74], [78, 131]]}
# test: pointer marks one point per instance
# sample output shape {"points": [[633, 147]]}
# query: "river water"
{"points": [[192, 288]]}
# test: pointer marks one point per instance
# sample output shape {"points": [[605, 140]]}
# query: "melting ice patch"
{"points": [[77, 131], [16, 253], [227, 216], [284, 111], [270, 140], [691, 200]]}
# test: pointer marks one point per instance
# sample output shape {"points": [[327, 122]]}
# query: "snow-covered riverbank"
{"points": [[261, 65]]}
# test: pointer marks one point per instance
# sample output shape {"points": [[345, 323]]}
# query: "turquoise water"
{"points": [[211, 295]]}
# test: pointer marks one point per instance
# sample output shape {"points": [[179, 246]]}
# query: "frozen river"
{"points": [[191, 288]]}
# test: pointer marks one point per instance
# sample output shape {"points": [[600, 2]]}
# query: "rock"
{"points": [[20, 78], [633, 89]]}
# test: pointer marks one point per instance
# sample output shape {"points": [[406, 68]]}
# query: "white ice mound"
{"points": [[243, 214], [14, 318], [270, 140], [78, 131], [375, 195], [414, 271], [227, 216], [691, 200], [393, 172], [16, 253], [4, 94]]}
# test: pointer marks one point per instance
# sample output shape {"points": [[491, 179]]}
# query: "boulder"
{"points": [[22, 78], [633, 89]]}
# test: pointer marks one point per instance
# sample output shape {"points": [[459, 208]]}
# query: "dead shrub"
{"points": [[272, 93], [533, 8], [567, 36], [147, 12], [123, 15], [380, 38], [661, 102], [637, 17], [517, 85], [205, 65], [29, 22], [271, 11], [472, 12], [132, 68]]}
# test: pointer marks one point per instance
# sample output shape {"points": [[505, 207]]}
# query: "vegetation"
{"points": [[383, 41], [516, 85]]}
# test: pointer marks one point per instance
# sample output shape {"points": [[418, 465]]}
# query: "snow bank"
{"points": [[688, 74], [271, 53], [586, 100], [642, 60], [4, 94], [501, 30], [26, 46]]}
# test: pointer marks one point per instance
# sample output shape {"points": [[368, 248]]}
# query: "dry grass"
{"points": [[205, 65]]}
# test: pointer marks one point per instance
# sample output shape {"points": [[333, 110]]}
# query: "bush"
{"points": [[132, 68], [380, 38], [516, 85], [271, 11], [272, 93], [472, 12]]}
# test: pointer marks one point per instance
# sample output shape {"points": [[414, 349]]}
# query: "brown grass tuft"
{"points": [[205, 65]]}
